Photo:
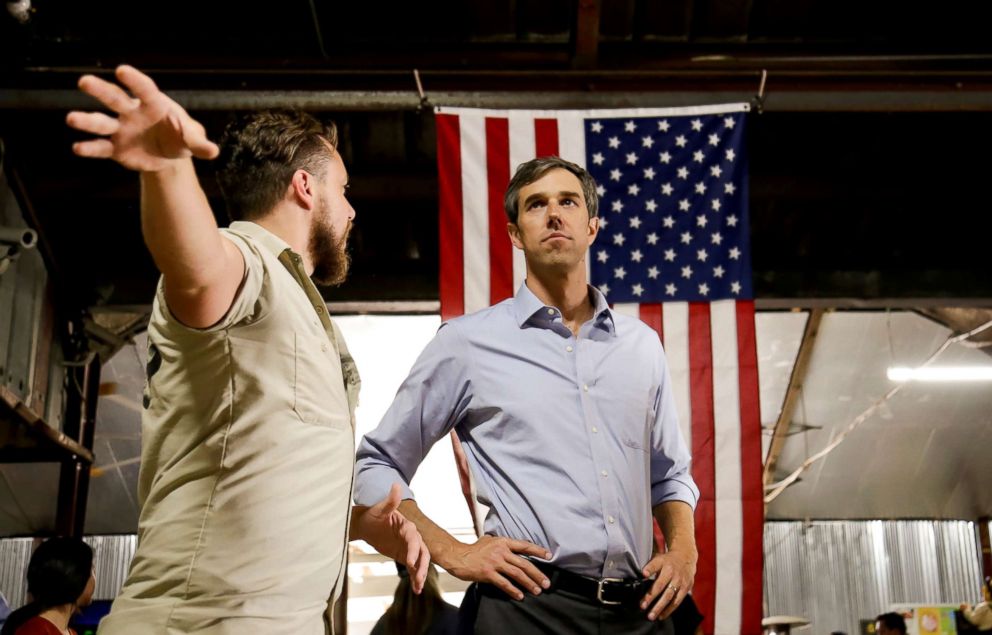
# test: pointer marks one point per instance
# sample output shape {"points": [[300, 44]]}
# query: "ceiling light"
{"points": [[941, 373]]}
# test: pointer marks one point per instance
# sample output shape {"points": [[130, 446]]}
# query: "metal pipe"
{"points": [[960, 98], [22, 237]]}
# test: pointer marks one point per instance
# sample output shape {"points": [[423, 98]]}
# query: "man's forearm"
{"points": [[676, 522], [179, 227], [440, 543]]}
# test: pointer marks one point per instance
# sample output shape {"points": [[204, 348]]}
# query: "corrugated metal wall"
{"points": [[837, 573], [112, 557], [834, 573]]}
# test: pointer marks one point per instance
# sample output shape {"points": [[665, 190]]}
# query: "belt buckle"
{"points": [[599, 591]]}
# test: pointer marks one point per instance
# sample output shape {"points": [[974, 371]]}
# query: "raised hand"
{"points": [[150, 132], [391, 534], [498, 561]]}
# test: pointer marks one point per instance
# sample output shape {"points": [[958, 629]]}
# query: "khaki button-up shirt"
{"points": [[247, 461]]}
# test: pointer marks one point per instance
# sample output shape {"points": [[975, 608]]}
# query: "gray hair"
{"points": [[534, 169]]}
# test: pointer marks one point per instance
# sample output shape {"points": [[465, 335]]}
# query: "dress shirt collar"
{"points": [[528, 308]]}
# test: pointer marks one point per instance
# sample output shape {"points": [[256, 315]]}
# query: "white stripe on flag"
{"points": [[475, 206], [572, 147], [522, 149], [571, 138], [727, 455], [630, 309], [675, 326]]}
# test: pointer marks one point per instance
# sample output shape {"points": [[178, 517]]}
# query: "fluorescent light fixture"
{"points": [[941, 373]]}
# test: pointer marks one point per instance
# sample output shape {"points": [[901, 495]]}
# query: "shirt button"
{"points": [[610, 563], [320, 309], [568, 348], [585, 387], [551, 311], [611, 519], [604, 473], [323, 347], [595, 429]]}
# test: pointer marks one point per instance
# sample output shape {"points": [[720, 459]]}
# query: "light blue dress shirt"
{"points": [[571, 440]]}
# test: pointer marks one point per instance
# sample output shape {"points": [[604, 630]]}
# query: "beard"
{"points": [[328, 252]]}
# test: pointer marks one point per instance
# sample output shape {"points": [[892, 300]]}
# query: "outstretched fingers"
{"points": [[96, 123], [94, 149], [110, 95]]}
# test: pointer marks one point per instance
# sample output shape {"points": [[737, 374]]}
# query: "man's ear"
{"points": [[514, 233], [302, 187], [593, 229]]}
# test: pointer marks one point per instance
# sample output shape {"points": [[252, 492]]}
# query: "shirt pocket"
{"points": [[319, 395]]}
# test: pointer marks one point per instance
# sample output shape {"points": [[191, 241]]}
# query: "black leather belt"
{"points": [[626, 592]]}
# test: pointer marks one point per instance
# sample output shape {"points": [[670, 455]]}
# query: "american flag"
{"points": [[672, 250]]}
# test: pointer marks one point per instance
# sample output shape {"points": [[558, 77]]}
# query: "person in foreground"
{"points": [[60, 582], [566, 414], [247, 429]]}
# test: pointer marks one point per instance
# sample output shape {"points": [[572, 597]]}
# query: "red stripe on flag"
{"points": [[498, 173], [703, 460], [751, 487], [451, 251], [546, 137], [650, 313]]}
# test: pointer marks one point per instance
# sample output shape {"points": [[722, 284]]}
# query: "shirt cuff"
{"points": [[372, 484], [675, 489]]}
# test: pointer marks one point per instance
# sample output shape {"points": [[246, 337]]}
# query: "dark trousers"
{"points": [[488, 611]]}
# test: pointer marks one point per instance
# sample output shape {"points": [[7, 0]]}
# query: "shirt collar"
{"points": [[267, 239], [526, 305]]}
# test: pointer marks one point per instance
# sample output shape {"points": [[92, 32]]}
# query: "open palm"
{"points": [[150, 130]]}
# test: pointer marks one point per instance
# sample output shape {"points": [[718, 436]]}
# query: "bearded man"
{"points": [[248, 422]]}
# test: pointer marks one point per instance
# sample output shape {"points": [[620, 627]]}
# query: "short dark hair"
{"points": [[534, 169], [892, 620], [59, 571], [261, 151]]}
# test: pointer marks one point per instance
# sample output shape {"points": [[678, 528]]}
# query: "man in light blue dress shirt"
{"points": [[566, 414]]}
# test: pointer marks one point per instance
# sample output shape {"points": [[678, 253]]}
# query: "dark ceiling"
{"points": [[868, 164]]}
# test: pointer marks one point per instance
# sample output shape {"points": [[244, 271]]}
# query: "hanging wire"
{"points": [[424, 102], [758, 102], [777, 488]]}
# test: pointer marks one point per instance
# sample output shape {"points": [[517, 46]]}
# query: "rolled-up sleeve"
{"points": [[429, 403], [670, 459]]}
